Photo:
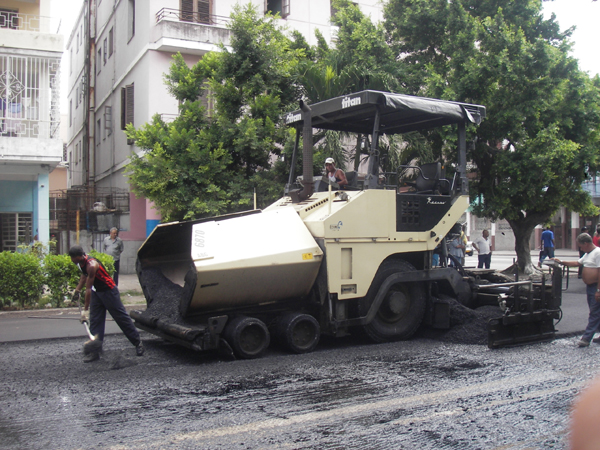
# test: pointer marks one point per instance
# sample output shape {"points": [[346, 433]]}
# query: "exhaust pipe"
{"points": [[307, 157]]}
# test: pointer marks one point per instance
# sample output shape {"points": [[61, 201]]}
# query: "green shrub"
{"points": [[61, 277], [107, 261], [22, 278]]}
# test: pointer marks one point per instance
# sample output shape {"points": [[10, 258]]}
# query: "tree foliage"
{"points": [[208, 163], [534, 149]]}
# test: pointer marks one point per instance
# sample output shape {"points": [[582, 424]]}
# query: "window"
{"points": [[203, 11], [278, 6], [76, 97], [105, 50], [127, 108], [16, 229], [9, 18], [187, 10], [110, 42], [71, 112], [98, 134], [99, 60], [70, 61], [195, 11], [131, 20], [77, 44], [107, 120]]}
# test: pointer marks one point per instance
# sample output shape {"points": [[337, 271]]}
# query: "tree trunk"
{"points": [[522, 229]]}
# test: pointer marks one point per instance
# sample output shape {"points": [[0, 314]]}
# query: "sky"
{"points": [[584, 14]]}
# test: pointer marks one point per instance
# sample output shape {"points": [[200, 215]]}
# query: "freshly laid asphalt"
{"points": [[64, 322]]}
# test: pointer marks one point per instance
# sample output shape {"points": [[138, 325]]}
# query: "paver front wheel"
{"points": [[402, 309]]}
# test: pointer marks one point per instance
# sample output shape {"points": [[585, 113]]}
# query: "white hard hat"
{"points": [[329, 161]]}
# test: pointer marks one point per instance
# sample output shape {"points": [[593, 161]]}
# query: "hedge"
{"points": [[24, 274]]}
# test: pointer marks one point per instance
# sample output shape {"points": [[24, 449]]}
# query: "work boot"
{"points": [[93, 356], [583, 343], [139, 349]]}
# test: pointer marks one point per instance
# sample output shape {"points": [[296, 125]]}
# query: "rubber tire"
{"points": [[401, 311], [248, 337], [299, 332]]}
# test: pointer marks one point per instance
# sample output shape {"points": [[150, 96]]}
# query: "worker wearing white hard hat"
{"points": [[335, 175]]}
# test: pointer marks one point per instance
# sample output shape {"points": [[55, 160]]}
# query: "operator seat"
{"points": [[428, 178]]}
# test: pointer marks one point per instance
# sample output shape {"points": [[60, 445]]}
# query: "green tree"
{"points": [[540, 138], [205, 164]]}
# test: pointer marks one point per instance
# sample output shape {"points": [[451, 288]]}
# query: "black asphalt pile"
{"points": [[165, 294], [467, 326]]}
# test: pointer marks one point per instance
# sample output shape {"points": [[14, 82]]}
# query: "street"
{"points": [[438, 390], [422, 393]]}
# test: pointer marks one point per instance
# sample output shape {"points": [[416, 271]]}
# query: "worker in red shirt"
{"points": [[101, 295]]}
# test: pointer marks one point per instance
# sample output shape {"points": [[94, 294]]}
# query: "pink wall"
{"points": [[137, 220]]}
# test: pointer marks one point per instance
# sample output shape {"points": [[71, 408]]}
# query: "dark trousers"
{"points": [[484, 260], [594, 317], [111, 301], [116, 274]]}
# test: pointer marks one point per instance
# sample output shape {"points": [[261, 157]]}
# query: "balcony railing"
{"points": [[29, 97], [192, 17], [27, 22]]}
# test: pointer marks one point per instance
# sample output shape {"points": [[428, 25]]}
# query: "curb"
{"points": [[51, 311]]}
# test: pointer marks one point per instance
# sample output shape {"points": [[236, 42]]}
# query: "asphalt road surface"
{"points": [[418, 394]]}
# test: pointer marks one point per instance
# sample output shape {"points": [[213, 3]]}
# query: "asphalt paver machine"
{"points": [[323, 260]]}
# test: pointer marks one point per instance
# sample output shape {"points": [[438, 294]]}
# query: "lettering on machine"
{"points": [[347, 102], [291, 118], [337, 226], [434, 202]]}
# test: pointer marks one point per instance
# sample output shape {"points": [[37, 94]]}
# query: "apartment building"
{"points": [[30, 143], [119, 52]]}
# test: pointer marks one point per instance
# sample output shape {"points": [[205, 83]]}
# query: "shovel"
{"points": [[94, 344]]}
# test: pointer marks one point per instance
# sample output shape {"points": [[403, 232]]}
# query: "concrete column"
{"points": [[152, 217], [42, 227], [468, 231], [575, 229]]}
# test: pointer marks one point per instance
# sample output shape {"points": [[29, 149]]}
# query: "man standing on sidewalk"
{"points": [[547, 245], [483, 247], [590, 275], [113, 246], [101, 295]]}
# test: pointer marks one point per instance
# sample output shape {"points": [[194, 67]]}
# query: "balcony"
{"points": [[28, 22], [189, 32], [26, 31], [29, 111]]}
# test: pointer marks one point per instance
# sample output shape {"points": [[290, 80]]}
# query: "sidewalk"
{"points": [[129, 283]]}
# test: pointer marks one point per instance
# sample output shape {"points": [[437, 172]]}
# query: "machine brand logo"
{"points": [[291, 118], [337, 226], [433, 202], [347, 102]]}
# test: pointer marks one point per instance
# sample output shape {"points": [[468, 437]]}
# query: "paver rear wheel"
{"points": [[402, 309], [248, 336]]}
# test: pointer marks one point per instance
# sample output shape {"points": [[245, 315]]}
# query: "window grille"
{"points": [[16, 230], [108, 120], [29, 96]]}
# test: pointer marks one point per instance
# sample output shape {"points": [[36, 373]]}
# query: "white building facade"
{"points": [[30, 142]]}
